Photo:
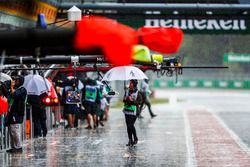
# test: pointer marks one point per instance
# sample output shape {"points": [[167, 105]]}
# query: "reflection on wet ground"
{"points": [[161, 143]]}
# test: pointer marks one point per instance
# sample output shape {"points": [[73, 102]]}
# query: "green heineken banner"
{"points": [[195, 25], [237, 58]]}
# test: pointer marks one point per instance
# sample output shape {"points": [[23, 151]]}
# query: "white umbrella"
{"points": [[4, 77], [36, 84], [124, 73]]}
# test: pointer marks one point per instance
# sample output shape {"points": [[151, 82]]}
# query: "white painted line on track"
{"points": [[191, 160]]}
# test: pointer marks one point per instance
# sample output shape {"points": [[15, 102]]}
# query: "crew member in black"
{"points": [[15, 116]]}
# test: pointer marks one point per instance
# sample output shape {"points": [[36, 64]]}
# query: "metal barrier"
{"points": [[49, 118], [4, 136], [31, 123]]}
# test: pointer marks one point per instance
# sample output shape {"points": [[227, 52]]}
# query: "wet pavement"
{"points": [[161, 142], [200, 130]]}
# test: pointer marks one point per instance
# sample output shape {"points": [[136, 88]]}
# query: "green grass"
{"points": [[153, 101]]}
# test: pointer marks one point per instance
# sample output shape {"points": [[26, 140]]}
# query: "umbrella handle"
{"points": [[125, 89]]}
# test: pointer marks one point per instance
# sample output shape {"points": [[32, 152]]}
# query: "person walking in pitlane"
{"points": [[91, 101], [131, 101], [146, 92]]}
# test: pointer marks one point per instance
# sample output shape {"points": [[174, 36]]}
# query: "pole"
{"points": [[54, 59], [158, 6]]}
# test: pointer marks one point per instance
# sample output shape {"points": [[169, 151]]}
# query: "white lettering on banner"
{"points": [[176, 23], [236, 25], [212, 25], [243, 25], [198, 24], [190, 24], [226, 25], [152, 23], [183, 24], [166, 23]]}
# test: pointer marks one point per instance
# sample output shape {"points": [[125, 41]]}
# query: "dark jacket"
{"points": [[38, 107], [38, 113], [17, 109]]}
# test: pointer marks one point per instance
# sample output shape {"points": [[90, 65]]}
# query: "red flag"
{"points": [[114, 39], [161, 39]]}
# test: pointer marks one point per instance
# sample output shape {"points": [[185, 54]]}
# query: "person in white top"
{"points": [[146, 92]]}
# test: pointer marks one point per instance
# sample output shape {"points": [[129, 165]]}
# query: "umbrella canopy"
{"points": [[4, 77], [124, 73], [36, 84], [3, 105]]}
